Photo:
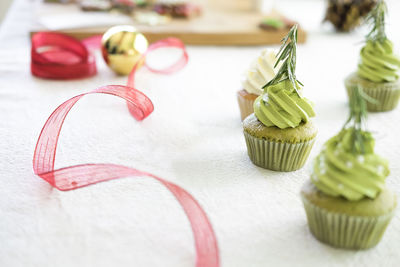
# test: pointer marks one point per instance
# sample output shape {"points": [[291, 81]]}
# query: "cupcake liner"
{"points": [[343, 230], [277, 156], [387, 94], [245, 106]]}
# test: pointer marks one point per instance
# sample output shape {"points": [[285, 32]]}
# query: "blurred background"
{"points": [[198, 22], [4, 5]]}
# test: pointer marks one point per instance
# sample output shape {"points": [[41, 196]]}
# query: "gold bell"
{"points": [[122, 48]]}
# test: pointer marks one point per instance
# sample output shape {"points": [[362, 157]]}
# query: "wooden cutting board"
{"points": [[213, 27]]}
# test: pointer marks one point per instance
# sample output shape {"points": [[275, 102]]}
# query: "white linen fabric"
{"points": [[194, 138]]}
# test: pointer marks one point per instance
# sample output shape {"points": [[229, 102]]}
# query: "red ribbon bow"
{"points": [[63, 57], [59, 56]]}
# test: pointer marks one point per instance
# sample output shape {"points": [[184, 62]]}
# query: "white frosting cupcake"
{"points": [[260, 72]]}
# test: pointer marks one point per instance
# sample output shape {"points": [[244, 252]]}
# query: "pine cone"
{"points": [[346, 15]]}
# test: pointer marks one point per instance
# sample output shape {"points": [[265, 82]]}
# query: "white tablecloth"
{"points": [[194, 138]]}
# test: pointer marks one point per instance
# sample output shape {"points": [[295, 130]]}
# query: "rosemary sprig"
{"points": [[357, 118], [376, 20], [287, 55]]}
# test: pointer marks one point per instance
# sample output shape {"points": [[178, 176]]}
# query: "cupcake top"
{"points": [[348, 166], [378, 63], [261, 71], [282, 104]]}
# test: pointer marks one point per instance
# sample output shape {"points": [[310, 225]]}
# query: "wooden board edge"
{"points": [[207, 39]]}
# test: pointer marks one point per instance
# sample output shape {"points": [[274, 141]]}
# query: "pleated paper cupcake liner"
{"points": [[245, 106], [277, 156], [345, 231], [387, 95]]}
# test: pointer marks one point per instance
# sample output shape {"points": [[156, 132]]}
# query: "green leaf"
{"points": [[287, 55], [376, 20], [357, 118]]}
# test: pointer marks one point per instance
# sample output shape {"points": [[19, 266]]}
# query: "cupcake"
{"points": [[260, 72], [279, 135], [346, 201], [378, 70]]}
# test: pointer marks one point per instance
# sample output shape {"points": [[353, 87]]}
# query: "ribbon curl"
{"points": [[69, 58]]}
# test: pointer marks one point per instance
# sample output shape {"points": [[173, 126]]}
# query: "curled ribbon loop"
{"points": [[168, 42], [140, 106]]}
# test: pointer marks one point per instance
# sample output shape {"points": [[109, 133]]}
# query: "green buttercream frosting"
{"points": [[282, 106], [378, 62], [342, 170]]}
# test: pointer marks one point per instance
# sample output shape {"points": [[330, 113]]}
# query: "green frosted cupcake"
{"points": [[378, 70], [279, 134], [346, 202]]}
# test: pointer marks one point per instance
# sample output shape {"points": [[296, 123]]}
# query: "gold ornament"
{"points": [[122, 48]]}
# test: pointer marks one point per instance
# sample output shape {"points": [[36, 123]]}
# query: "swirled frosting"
{"points": [[339, 171], [282, 107], [260, 73], [378, 62]]}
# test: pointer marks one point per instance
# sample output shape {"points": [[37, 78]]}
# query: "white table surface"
{"points": [[194, 138]]}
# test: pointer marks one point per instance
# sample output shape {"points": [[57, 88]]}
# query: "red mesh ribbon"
{"points": [[59, 56], [140, 106]]}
